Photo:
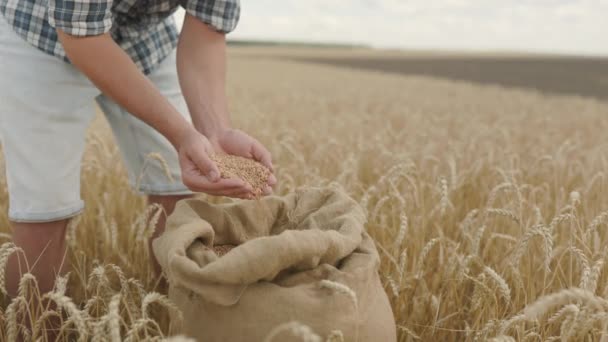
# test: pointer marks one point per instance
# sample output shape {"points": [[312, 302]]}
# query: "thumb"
{"points": [[206, 166], [261, 154]]}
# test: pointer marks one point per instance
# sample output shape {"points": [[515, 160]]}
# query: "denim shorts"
{"points": [[46, 106]]}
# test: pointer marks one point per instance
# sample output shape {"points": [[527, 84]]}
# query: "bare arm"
{"points": [[201, 66], [115, 74]]}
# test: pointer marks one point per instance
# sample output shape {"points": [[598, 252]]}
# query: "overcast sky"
{"points": [[563, 26]]}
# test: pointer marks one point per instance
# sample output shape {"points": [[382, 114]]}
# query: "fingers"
{"points": [[261, 154], [272, 180], [206, 166], [267, 190], [223, 187], [194, 178], [238, 194], [239, 191]]}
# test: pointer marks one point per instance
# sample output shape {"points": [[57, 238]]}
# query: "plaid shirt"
{"points": [[145, 29]]}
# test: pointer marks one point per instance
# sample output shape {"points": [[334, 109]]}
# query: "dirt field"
{"points": [[482, 198], [557, 75]]}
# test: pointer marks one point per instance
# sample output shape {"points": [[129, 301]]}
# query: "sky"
{"points": [[555, 26]]}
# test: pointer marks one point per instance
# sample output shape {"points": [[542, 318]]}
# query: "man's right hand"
{"points": [[199, 172]]}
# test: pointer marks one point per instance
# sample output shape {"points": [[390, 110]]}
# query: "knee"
{"points": [[38, 236]]}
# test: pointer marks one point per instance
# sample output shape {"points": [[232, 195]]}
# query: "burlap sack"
{"points": [[304, 257]]}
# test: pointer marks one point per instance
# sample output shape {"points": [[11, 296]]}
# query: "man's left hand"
{"points": [[239, 143]]}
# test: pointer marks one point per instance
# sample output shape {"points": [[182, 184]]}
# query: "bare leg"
{"points": [[44, 254], [168, 203]]}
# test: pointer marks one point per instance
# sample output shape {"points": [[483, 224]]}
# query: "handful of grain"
{"points": [[250, 171], [221, 250]]}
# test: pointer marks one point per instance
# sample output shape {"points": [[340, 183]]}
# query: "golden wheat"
{"points": [[488, 205]]}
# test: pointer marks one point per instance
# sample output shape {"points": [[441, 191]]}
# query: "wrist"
{"points": [[179, 133], [213, 128]]}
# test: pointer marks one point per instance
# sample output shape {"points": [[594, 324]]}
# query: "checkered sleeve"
{"points": [[81, 17], [222, 15]]}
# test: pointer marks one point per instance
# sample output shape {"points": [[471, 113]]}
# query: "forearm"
{"points": [[201, 67], [115, 74]]}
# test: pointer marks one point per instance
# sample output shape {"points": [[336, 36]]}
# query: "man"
{"points": [[125, 49]]}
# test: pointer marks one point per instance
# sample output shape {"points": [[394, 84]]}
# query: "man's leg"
{"points": [[44, 254], [42, 130]]}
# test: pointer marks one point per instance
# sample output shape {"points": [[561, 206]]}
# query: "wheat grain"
{"points": [[563, 297], [139, 325], [505, 213], [596, 222], [24, 289], [424, 253], [402, 230], [335, 336], [6, 250], [486, 330], [502, 338], [17, 305], [341, 288], [61, 283], [393, 285], [565, 311], [444, 202], [248, 170], [374, 216], [178, 339], [507, 324], [77, 316], [154, 297], [494, 193], [557, 220], [468, 220], [296, 329], [402, 264], [476, 241], [409, 332], [502, 285], [113, 318], [480, 291], [591, 275], [71, 230], [38, 329]]}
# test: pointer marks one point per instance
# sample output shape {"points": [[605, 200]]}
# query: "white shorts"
{"points": [[46, 106]]}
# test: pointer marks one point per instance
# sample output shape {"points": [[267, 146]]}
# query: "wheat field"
{"points": [[489, 205]]}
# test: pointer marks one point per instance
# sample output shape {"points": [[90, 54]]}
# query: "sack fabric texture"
{"points": [[304, 257]]}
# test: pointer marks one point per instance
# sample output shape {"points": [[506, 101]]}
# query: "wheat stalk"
{"points": [[546, 303], [341, 288], [402, 230], [6, 250], [501, 284], [77, 316]]}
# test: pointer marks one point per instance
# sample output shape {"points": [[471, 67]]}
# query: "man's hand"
{"points": [[199, 172], [201, 66], [238, 143]]}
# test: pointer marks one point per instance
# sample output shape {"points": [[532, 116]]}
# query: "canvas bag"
{"points": [[303, 257]]}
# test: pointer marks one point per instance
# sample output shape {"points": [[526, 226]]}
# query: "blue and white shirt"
{"points": [[145, 29]]}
